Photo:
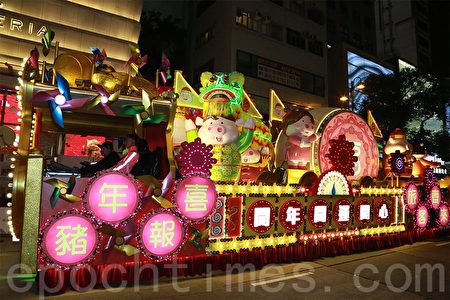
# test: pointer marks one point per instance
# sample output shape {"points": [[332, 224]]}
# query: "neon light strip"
{"points": [[381, 191], [255, 189]]}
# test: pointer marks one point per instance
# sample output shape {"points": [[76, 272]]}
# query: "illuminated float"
{"points": [[228, 185]]}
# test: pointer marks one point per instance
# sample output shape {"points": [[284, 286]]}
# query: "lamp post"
{"points": [[356, 84]]}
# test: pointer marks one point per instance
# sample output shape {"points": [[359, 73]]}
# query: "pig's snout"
{"points": [[216, 129]]}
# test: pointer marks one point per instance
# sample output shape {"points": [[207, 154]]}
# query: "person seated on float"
{"points": [[127, 162], [109, 160]]}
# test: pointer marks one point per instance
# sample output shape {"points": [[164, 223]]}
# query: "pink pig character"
{"points": [[298, 128]]}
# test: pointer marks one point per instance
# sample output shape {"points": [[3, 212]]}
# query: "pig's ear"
{"points": [[198, 121]]}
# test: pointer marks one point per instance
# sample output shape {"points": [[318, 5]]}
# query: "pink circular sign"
{"points": [[357, 131], [411, 196], [112, 197], [422, 216], [435, 196], [162, 234], [196, 197], [443, 215], [69, 240]]}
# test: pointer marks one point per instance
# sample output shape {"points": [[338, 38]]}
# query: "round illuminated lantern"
{"points": [[336, 122], [443, 217], [383, 212], [112, 197], [260, 216], [318, 213], [291, 215], [342, 212], [161, 234], [363, 212], [422, 217], [196, 197], [411, 196], [69, 239], [434, 195]]}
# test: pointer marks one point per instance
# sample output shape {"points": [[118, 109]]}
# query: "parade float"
{"points": [[228, 191]]}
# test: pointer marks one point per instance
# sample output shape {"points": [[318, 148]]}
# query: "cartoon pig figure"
{"points": [[298, 131], [251, 156], [228, 145]]}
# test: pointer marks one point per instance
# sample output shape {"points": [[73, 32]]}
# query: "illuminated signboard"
{"points": [[318, 213], [435, 196], [422, 217], [342, 212], [260, 216], [363, 212], [112, 197], [291, 215], [17, 25], [443, 215], [355, 130], [196, 197], [382, 211], [411, 196], [161, 234], [69, 240]]}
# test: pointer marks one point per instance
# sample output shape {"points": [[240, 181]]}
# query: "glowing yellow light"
{"points": [[10, 175], [8, 212], [343, 98], [9, 195]]}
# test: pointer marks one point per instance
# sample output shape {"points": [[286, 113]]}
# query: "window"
{"points": [[204, 38], [203, 6], [268, 70], [423, 59], [315, 47], [295, 38], [423, 42], [316, 15], [262, 24], [422, 25], [297, 7]]}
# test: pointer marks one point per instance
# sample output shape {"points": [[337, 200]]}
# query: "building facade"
{"points": [[404, 31], [277, 45]]}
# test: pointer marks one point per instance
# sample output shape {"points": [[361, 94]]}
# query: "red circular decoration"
{"points": [[383, 212], [355, 130], [313, 212], [291, 215], [422, 216], [257, 215], [342, 156], [342, 213], [361, 212]]}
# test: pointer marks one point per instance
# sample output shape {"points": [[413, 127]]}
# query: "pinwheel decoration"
{"points": [[397, 163], [99, 56], [47, 39], [165, 68], [59, 99], [198, 237], [144, 113], [103, 99], [136, 61], [63, 190], [157, 190], [119, 238], [31, 69]]}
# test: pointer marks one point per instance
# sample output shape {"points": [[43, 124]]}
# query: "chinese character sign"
{"points": [[112, 197], [422, 217], [291, 215], [196, 197], [411, 196], [260, 216], [443, 215], [318, 213], [435, 196], [70, 240], [342, 212], [162, 234]]}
